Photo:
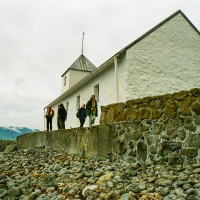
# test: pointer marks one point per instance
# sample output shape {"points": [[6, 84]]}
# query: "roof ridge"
{"points": [[82, 63], [156, 27]]}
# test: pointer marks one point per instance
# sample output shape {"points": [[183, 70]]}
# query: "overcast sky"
{"points": [[40, 39]]}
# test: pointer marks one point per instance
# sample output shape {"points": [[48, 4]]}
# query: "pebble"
{"points": [[49, 174]]}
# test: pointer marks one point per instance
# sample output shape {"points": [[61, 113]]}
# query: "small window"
{"points": [[96, 92], [78, 102], [67, 106], [65, 80]]}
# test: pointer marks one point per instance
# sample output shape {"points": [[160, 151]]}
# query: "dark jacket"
{"points": [[89, 106], [81, 113], [62, 113]]}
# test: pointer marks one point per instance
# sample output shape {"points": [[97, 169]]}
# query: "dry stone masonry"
{"points": [[154, 130], [162, 129]]}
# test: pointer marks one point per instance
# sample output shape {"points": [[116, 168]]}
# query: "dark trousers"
{"points": [[49, 123], [61, 123], [82, 121], [58, 124]]}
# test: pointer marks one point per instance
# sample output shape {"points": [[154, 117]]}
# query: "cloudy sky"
{"points": [[40, 39]]}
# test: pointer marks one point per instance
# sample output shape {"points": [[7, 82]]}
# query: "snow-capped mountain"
{"points": [[11, 132]]}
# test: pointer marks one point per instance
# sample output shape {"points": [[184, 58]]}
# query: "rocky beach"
{"points": [[49, 174]]}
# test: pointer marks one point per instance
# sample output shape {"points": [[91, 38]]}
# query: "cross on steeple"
{"points": [[82, 42]]}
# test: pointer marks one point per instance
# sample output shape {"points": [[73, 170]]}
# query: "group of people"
{"points": [[61, 117], [90, 110]]}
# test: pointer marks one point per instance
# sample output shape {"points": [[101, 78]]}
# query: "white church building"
{"points": [[166, 59]]}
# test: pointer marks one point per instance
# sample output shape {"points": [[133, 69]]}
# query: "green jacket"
{"points": [[89, 106]]}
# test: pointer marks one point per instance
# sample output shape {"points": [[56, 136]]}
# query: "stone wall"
{"points": [[154, 130], [161, 129], [88, 142]]}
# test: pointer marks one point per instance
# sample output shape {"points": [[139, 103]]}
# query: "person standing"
{"points": [[49, 115], [58, 118], [62, 116], [92, 110], [81, 114]]}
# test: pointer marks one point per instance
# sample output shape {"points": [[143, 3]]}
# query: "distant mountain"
{"points": [[11, 132]]}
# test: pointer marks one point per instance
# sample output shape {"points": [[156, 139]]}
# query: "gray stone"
{"points": [[135, 135], [153, 149], [127, 197], [78, 167], [3, 193], [11, 183], [190, 126], [194, 140], [196, 107], [165, 191], [48, 182], [29, 197], [171, 126], [165, 183], [171, 110], [180, 95], [152, 179], [197, 121], [110, 195], [191, 191], [155, 103], [187, 186], [191, 152], [142, 151], [151, 139], [14, 192], [91, 187], [157, 128], [119, 108], [119, 146], [175, 159], [181, 133]]}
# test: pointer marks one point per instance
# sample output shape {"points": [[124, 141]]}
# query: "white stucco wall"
{"points": [[76, 76], [65, 87], [166, 61], [73, 77], [107, 94]]}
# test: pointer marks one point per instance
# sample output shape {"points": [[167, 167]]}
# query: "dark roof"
{"points": [[82, 64]]}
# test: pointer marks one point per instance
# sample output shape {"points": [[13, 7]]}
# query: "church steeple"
{"points": [[82, 64], [77, 71]]}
